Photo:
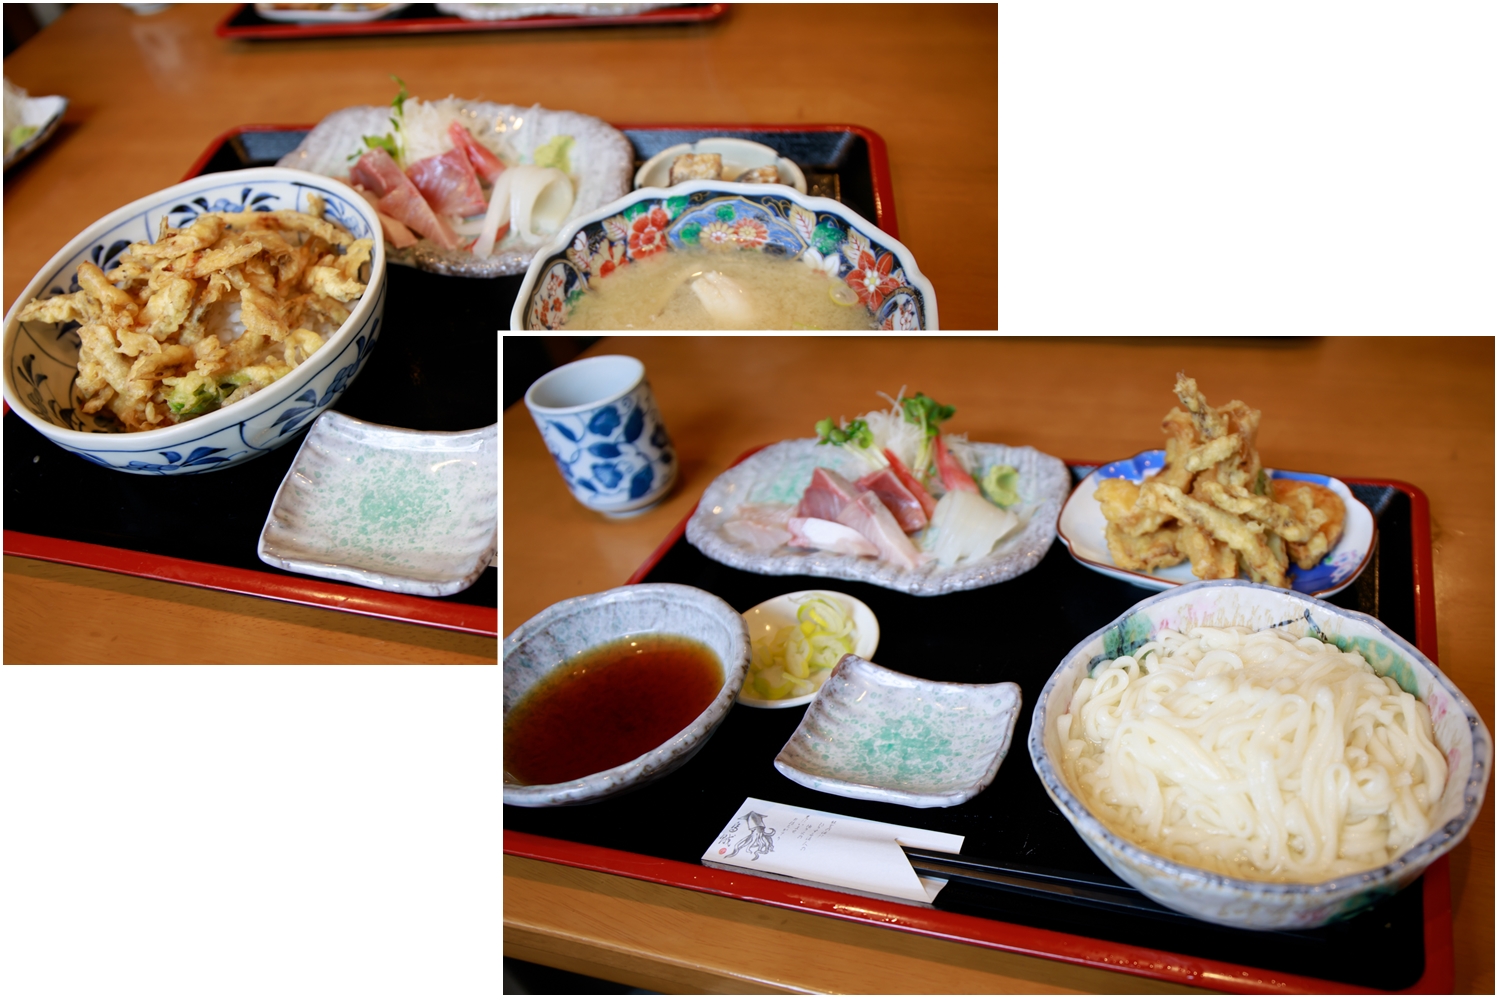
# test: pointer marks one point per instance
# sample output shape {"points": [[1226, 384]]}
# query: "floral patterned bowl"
{"points": [[41, 359], [755, 218], [1457, 730]]}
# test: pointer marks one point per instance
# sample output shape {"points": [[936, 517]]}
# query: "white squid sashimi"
{"points": [[534, 200], [967, 526]]}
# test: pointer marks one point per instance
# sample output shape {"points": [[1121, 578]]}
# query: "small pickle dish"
{"points": [[41, 359]]}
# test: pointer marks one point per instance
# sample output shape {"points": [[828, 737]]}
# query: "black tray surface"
{"points": [[1019, 630], [434, 331]]}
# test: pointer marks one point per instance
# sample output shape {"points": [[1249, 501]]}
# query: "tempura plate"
{"points": [[780, 473], [1081, 528]]}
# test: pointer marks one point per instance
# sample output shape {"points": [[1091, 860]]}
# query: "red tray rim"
{"points": [[694, 14], [1167, 966]]}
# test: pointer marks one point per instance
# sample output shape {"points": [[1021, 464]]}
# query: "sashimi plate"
{"points": [[1081, 528], [601, 164], [780, 473]]}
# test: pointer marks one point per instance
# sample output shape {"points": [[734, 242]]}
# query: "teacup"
{"points": [[599, 420]]}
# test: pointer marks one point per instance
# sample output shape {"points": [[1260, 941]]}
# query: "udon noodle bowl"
{"points": [[1257, 755]]}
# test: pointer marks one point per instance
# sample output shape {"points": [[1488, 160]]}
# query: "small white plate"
{"points": [[45, 113], [329, 15], [1081, 528], [739, 155], [414, 512], [768, 616], [873, 733]]}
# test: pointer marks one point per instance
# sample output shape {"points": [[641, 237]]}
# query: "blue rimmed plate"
{"points": [[1081, 528]]}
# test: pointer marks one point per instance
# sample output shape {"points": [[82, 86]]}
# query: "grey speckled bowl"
{"points": [[569, 627], [1457, 731]]}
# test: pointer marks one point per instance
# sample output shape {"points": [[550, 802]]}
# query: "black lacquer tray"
{"points": [[1020, 630]]}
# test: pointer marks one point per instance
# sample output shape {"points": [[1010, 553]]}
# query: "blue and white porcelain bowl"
{"points": [[1457, 730], [750, 218], [41, 359], [533, 651], [599, 420]]}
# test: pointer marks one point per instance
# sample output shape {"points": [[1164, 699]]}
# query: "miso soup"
{"points": [[719, 290], [607, 706]]}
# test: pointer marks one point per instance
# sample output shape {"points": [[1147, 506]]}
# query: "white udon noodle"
{"points": [[1257, 755]]}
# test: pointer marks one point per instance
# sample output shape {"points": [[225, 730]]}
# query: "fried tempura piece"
{"points": [[1119, 500], [1211, 559], [1143, 552], [1308, 502], [1263, 557]]}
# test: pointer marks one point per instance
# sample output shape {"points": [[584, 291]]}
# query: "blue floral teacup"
{"points": [[600, 422]]}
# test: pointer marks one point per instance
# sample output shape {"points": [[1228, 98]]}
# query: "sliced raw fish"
{"points": [[830, 536], [913, 485], [449, 184], [826, 495], [396, 234], [485, 163], [868, 516], [399, 198], [897, 498], [377, 172], [763, 528], [953, 475], [967, 527]]}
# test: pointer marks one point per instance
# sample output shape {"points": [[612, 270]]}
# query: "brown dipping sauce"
{"points": [[608, 705]]}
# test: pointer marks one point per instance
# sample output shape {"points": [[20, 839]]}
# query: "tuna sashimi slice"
{"points": [[830, 536], [399, 198], [449, 184], [868, 516], [826, 495], [406, 205], [485, 163], [377, 172], [396, 234], [912, 484], [897, 498]]}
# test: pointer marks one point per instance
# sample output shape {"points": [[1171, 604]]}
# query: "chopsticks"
{"points": [[1031, 882]]}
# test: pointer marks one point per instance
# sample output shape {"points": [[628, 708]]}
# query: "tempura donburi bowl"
{"points": [[41, 359]]}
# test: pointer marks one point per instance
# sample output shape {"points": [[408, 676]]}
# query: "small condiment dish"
{"points": [[874, 733], [1457, 731], [767, 617], [739, 155], [568, 628], [409, 511]]}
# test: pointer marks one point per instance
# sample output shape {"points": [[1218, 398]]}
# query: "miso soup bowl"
{"points": [[41, 359], [533, 651], [1457, 731], [743, 218]]}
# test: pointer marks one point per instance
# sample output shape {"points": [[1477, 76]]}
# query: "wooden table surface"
{"points": [[1420, 411], [149, 93]]}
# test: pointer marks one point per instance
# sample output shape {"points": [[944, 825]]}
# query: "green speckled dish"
{"points": [[409, 511], [873, 733]]}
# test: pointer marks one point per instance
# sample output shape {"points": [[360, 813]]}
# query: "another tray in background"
{"points": [[1018, 630], [244, 24]]}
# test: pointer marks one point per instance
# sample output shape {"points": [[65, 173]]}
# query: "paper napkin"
{"points": [[824, 848]]}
